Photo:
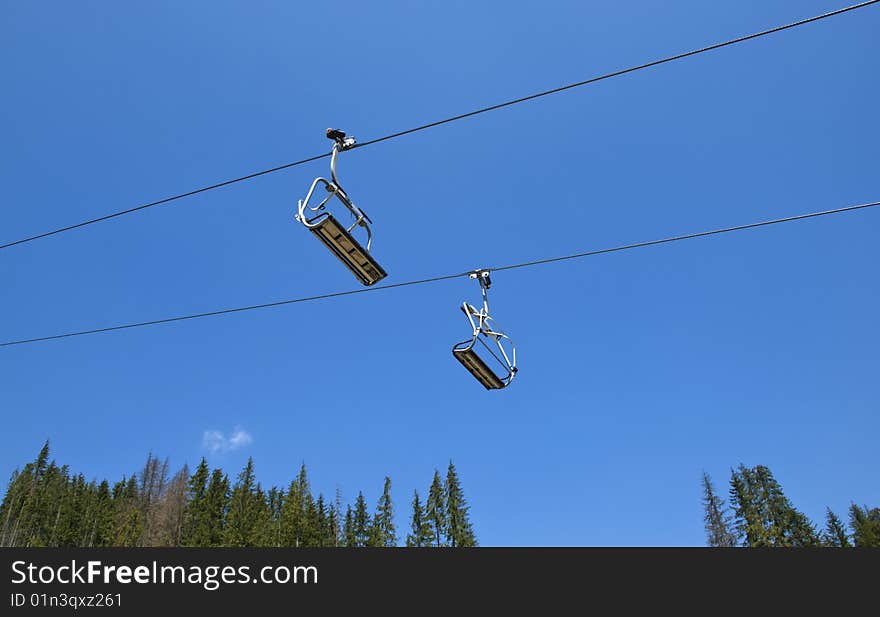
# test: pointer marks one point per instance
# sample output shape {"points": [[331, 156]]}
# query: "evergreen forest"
{"points": [[758, 514], [48, 505]]}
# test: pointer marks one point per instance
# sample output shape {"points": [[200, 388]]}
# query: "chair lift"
{"points": [[330, 231], [492, 340]]}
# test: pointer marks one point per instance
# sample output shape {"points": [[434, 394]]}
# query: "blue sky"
{"points": [[639, 370]]}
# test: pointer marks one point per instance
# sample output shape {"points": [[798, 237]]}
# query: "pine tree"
{"points": [[311, 519], [70, 506], [261, 533], [196, 519], [103, 531], [319, 522], [21, 510], [11, 507], [361, 521], [749, 525], [242, 519], [85, 532], [385, 532], [298, 512], [331, 534], [716, 517], [128, 524], [50, 499], [16, 522], [216, 509], [835, 533], [422, 533], [765, 517], [42, 460], [865, 525], [291, 516], [435, 509], [348, 529], [459, 531], [275, 500], [42, 500]]}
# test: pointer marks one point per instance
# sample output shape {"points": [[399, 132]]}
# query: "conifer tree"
{"points": [[216, 509], [196, 517], [331, 534], [348, 529], [242, 519], [261, 534], [22, 511], [69, 508], [49, 498], [459, 531], [118, 490], [102, 534], [129, 517], [315, 521], [361, 521], [42, 460], [86, 531], [385, 533], [292, 515], [275, 499], [765, 517], [10, 508], [298, 512], [835, 533], [435, 509], [716, 518], [422, 533], [865, 525], [42, 500], [310, 524], [19, 526]]}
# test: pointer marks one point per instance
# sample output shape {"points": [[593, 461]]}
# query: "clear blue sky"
{"points": [[639, 370]]}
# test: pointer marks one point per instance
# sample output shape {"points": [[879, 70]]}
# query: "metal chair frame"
{"points": [[344, 245], [334, 189], [490, 335]]}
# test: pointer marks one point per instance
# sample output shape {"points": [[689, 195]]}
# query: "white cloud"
{"points": [[239, 439], [216, 442]]}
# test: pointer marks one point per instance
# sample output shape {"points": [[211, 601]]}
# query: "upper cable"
{"points": [[436, 123]]}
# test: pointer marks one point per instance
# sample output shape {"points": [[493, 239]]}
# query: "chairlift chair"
{"points": [[497, 348], [330, 231]]}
